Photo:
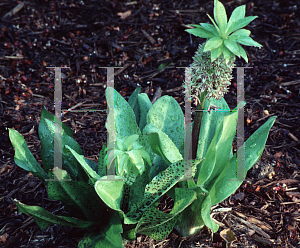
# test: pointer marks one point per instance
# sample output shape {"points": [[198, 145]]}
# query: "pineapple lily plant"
{"points": [[148, 154]]}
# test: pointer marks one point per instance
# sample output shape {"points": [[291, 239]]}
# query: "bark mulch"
{"points": [[146, 39]]}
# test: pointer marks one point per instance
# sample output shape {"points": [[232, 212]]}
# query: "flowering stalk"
{"points": [[214, 60], [197, 125]]}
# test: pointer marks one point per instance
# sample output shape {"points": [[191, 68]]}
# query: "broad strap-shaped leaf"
{"points": [[43, 218], [133, 102], [205, 213], [80, 198], [237, 14], [220, 15], [213, 43], [207, 166], [190, 220], [144, 105], [128, 142], [166, 115], [123, 122], [164, 147], [108, 236], [240, 24], [157, 224], [102, 161], [68, 162], [47, 139], [210, 124], [92, 174], [159, 185], [109, 189], [226, 183], [23, 156], [224, 138]]}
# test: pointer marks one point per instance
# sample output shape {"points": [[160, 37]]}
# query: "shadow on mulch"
{"points": [[264, 211]]}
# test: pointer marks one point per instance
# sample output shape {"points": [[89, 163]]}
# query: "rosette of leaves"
{"points": [[211, 76], [129, 152], [226, 37]]}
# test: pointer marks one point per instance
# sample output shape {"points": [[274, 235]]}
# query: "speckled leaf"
{"points": [[157, 224], [44, 218], [166, 115], [133, 102], [190, 220], [159, 185], [47, 138], [23, 157], [124, 117], [144, 105], [69, 163], [83, 162], [102, 161], [80, 198]]}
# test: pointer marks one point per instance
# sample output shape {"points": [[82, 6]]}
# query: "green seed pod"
{"points": [[214, 76]]}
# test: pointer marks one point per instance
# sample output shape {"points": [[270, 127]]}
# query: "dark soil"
{"points": [[87, 35]]}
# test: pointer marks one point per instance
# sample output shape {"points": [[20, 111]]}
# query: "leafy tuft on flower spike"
{"points": [[226, 37]]}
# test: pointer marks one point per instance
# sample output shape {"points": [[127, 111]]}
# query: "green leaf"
{"points": [[145, 155], [220, 15], [144, 105], [69, 163], [240, 24], [109, 236], [80, 198], [159, 185], [23, 157], [109, 189], [121, 118], [213, 43], [82, 161], [190, 221], [128, 142], [243, 53], [210, 28], [224, 137], [160, 226], [47, 139], [122, 163], [240, 32], [248, 41], [205, 213], [227, 54], [200, 32], [132, 101], [102, 161], [237, 14], [232, 46], [215, 53], [166, 115], [44, 218], [226, 183], [216, 26]]}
